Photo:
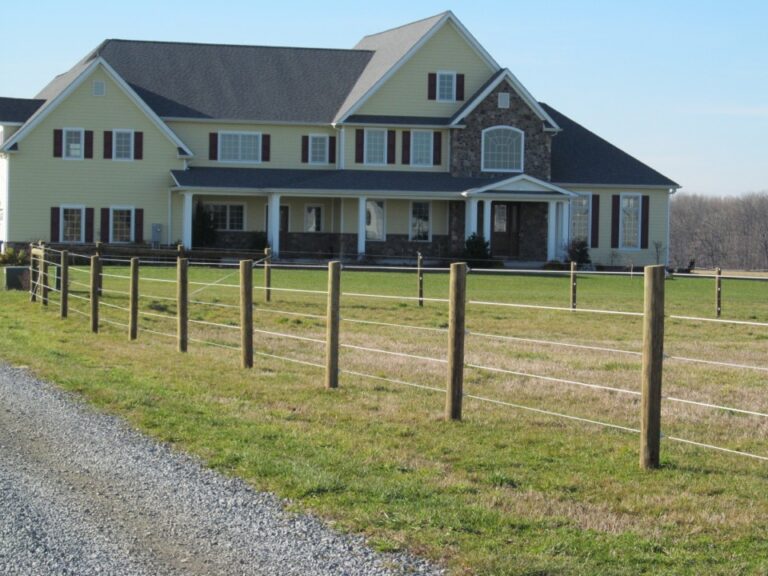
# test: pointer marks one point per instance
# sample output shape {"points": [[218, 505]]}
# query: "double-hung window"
{"points": [[313, 219], [228, 216], [318, 149], [502, 149], [73, 143], [72, 224], [446, 86], [121, 224], [421, 226], [375, 220], [239, 146], [122, 145], [421, 147], [375, 146], [630, 225], [581, 217]]}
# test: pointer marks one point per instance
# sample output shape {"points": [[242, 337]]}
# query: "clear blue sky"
{"points": [[680, 84]]}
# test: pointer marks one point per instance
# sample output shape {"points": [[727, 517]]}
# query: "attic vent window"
{"points": [[99, 88], [503, 99]]}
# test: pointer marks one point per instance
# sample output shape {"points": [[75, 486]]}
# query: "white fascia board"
{"points": [[521, 91], [669, 189], [383, 194], [449, 16]]}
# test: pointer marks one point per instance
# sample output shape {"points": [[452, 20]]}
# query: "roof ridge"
{"points": [[388, 30], [223, 45]]}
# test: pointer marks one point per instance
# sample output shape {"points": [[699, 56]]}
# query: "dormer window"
{"points": [[502, 149]]}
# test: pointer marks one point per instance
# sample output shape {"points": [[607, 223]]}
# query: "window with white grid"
{"points": [[630, 221], [446, 86], [122, 225], [421, 148], [73, 143], [72, 223], [240, 146], [581, 217], [122, 144], [420, 221], [502, 149], [227, 216], [318, 149], [375, 146]]}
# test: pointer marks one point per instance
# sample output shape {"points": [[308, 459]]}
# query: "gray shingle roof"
{"points": [[256, 83], [17, 110], [582, 157], [355, 180]]}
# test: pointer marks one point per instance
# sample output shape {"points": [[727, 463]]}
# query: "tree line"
{"points": [[726, 232]]}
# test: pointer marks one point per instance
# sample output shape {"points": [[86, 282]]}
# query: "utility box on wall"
{"points": [[157, 233]]}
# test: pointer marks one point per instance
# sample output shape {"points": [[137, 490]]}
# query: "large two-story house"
{"points": [[413, 140]]}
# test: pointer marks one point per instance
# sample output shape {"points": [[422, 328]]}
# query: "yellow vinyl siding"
{"points": [[39, 181], [285, 143], [350, 144], [405, 93]]}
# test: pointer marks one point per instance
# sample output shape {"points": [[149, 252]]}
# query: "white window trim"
{"points": [[437, 88], [639, 221], [64, 143], [112, 221], [240, 133], [325, 148], [522, 150], [589, 217], [99, 88], [114, 144], [322, 218], [228, 205], [365, 147], [431, 147], [410, 220], [384, 236], [80, 207]]}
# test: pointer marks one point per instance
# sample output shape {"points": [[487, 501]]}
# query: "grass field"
{"points": [[506, 491]]}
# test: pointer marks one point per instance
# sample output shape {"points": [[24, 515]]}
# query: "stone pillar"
{"points": [[470, 218], [273, 233], [361, 226], [552, 230], [186, 220], [487, 220]]}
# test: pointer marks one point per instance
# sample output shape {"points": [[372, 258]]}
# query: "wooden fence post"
{"points": [[133, 301], [182, 304], [246, 312], [64, 284], [45, 270], [573, 285], [718, 292], [267, 273], [653, 357], [419, 265], [99, 254], [95, 275], [32, 274], [456, 315], [332, 326]]}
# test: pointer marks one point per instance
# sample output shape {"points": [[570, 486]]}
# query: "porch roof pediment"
{"points": [[520, 185]]}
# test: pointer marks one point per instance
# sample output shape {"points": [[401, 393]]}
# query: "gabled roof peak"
{"points": [[436, 18]]}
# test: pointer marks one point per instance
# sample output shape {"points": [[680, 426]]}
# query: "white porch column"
{"points": [[487, 220], [470, 218], [186, 220], [552, 230], [361, 226], [273, 233], [565, 229]]}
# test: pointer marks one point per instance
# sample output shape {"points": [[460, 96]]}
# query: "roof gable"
{"points": [[394, 48], [520, 183]]}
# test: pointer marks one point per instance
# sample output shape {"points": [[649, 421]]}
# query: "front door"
{"points": [[505, 230], [283, 225]]}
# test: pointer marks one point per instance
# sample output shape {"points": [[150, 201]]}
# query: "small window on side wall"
{"points": [[98, 88]]}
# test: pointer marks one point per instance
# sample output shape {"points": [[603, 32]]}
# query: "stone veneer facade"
{"points": [[466, 143]]}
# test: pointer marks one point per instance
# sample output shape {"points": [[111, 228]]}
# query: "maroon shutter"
{"points": [[431, 86], [58, 143], [138, 145], [305, 149], [108, 145], [644, 224], [55, 224], [265, 147], [437, 148], [138, 226], [391, 135], [104, 225], [359, 145], [89, 143], [89, 225], [594, 241], [406, 155], [459, 86], [213, 146], [615, 211], [332, 150]]}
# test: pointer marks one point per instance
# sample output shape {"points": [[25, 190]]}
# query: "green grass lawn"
{"points": [[506, 491]]}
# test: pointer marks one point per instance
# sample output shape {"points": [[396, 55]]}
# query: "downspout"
{"points": [[669, 210], [170, 218]]}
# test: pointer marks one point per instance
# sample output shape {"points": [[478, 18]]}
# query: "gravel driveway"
{"points": [[81, 494]]}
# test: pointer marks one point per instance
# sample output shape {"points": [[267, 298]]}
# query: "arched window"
{"points": [[502, 149]]}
